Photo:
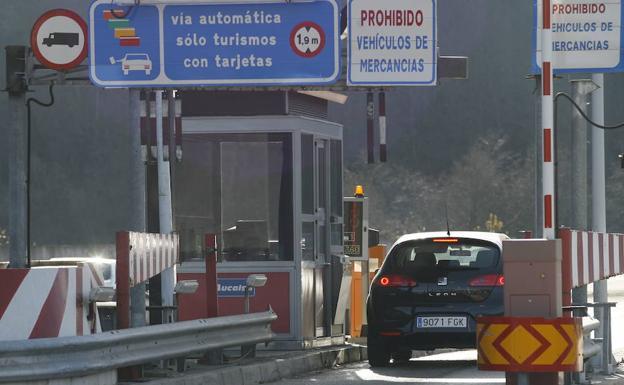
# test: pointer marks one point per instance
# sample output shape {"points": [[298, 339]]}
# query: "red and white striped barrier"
{"points": [[45, 302], [590, 256], [548, 134], [140, 256]]}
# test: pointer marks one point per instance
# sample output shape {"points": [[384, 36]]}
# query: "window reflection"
{"points": [[238, 186]]}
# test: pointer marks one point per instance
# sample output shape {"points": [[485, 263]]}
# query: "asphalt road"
{"points": [[455, 368]]}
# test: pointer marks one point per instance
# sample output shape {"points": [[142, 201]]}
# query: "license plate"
{"points": [[441, 322]]}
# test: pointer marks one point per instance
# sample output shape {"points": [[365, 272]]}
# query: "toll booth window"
{"points": [[241, 186], [196, 195]]}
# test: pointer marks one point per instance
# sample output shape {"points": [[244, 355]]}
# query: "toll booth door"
{"points": [[321, 270], [316, 243]]}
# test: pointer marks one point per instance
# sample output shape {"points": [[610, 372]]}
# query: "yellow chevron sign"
{"points": [[528, 344]]}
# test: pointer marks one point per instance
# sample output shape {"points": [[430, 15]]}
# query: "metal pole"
{"points": [[137, 193], [598, 207], [164, 205], [383, 153], [548, 137], [247, 294], [581, 88], [548, 134], [18, 244], [171, 117], [599, 211], [370, 127]]}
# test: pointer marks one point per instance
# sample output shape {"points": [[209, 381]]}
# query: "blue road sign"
{"points": [[272, 43]]}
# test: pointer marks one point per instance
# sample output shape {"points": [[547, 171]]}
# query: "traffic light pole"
{"points": [[581, 89], [18, 204], [18, 155], [598, 187]]}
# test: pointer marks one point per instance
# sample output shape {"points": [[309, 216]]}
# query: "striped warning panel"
{"points": [[45, 302], [150, 254], [590, 256]]}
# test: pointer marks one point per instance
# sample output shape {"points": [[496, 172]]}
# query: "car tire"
{"points": [[378, 355], [401, 356]]}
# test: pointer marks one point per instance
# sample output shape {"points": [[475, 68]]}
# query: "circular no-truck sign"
{"points": [[58, 39], [307, 39]]}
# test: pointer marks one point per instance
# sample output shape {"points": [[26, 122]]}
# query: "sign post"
{"points": [[257, 44], [392, 43], [586, 37]]}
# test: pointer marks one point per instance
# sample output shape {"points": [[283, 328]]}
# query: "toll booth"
{"points": [[263, 172]]}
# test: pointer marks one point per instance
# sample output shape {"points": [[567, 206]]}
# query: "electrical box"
{"points": [[533, 285], [356, 228], [15, 69]]}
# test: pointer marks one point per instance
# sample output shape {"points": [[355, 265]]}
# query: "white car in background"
{"points": [[104, 267]]}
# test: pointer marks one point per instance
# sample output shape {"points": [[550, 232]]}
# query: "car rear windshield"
{"points": [[441, 255]]}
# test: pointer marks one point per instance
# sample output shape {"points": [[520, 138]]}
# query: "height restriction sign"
{"points": [[392, 42], [58, 39]]}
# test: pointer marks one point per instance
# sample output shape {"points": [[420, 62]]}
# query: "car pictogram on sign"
{"points": [[134, 62], [307, 39]]}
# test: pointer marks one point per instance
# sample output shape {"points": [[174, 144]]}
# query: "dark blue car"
{"points": [[429, 292]]}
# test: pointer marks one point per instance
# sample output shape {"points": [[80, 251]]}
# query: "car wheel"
{"points": [[378, 355], [402, 356]]}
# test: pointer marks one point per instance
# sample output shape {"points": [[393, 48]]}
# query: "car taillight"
{"points": [[394, 280], [488, 280]]}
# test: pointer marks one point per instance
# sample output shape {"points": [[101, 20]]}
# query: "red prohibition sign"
{"points": [[35, 44], [310, 44]]}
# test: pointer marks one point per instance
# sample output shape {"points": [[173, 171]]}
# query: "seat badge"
{"points": [[442, 281]]}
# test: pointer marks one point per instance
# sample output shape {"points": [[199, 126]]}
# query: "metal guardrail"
{"points": [[590, 347], [64, 357], [594, 348], [600, 345]]}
